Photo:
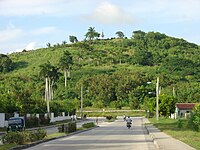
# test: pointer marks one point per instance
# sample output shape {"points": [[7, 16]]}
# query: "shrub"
{"points": [[44, 120], [88, 125], [23, 137], [70, 127], [67, 127], [32, 121], [38, 135], [16, 137], [61, 128], [109, 117], [180, 123], [194, 121]]}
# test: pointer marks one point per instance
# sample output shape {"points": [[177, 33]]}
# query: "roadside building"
{"points": [[183, 109]]}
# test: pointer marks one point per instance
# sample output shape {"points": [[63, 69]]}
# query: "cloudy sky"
{"points": [[31, 24]]}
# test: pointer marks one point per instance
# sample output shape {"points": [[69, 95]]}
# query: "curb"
{"points": [[153, 138], [19, 147]]}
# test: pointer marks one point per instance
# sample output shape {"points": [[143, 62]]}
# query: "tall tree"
{"points": [[120, 34], [73, 39], [65, 63], [48, 45], [50, 74], [91, 34]]}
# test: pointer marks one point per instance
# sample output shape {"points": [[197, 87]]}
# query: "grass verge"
{"points": [[7, 146], [114, 113], [53, 135], [183, 133]]}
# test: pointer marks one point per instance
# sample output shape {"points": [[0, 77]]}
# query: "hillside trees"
{"points": [[178, 66], [73, 39], [167, 105], [20, 94], [142, 57], [65, 63], [6, 63], [188, 92], [106, 90], [120, 34], [139, 39]]}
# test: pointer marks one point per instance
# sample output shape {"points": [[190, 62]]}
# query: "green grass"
{"points": [[3, 129], [170, 127], [97, 112], [115, 113], [7, 146], [53, 135], [50, 136]]}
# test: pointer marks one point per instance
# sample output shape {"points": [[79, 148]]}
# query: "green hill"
{"points": [[114, 73]]}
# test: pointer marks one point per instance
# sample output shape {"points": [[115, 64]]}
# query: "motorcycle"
{"points": [[128, 125]]}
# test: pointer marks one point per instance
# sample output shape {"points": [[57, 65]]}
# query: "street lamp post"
{"points": [[81, 101], [157, 98]]}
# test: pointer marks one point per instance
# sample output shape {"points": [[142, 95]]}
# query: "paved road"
{"points": [[109, 136], [79, 124], [54, 129]]}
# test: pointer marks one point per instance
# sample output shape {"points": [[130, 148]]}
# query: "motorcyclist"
{"points": [[128, 122], [124, 117]]}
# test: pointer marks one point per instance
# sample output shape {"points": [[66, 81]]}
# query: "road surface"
{"points": [[109, 136], [79, 124]]}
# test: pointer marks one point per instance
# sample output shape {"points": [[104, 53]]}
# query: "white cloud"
{"points": [[44, 30], [31, 46], [169, 10], [24, 7], [42, 7], [108, 13], [10, 33]]}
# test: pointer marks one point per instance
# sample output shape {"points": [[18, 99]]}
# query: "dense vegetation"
{"points": [[113, 72]]}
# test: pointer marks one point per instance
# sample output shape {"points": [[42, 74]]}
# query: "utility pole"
{"points": [[173, 91], [47, 97], [157, 98], [81, 101]]}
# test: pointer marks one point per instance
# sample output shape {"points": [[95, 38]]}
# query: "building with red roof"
{"points": [[182, 109]]}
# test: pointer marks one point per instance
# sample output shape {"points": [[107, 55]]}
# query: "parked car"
{"points": [[16, 124]]}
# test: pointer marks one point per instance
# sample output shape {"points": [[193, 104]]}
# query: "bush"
{"points": [[16, 137], [194, 121], [44, 120], [38, 135], [70, 127], [180, 123], [67, 127], [109, 117], [88, 125], [61, 128], [32, 121], [23, 137]]}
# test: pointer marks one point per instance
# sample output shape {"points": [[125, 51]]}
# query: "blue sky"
{"points": [[31, 24]]}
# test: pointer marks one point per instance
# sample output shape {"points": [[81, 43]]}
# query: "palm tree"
{"points": [[91, 34], [50, 73], [48, 45], [120, 34], [65, 64]]}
